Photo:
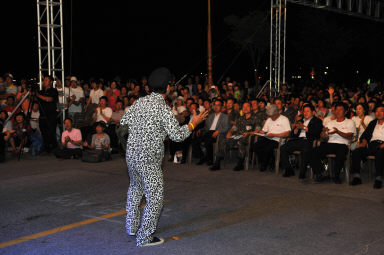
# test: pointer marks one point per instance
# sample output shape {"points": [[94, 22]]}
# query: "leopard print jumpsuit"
{"points": [[149, 121]]}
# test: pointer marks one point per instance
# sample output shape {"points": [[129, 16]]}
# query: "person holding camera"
{"points": [[48, 97]]}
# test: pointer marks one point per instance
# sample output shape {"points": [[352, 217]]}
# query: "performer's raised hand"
{"points": [[198, 118]]}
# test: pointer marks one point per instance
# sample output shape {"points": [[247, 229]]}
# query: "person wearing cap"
{"points": [[149, 121], [48, 98], [76, 97], [276, 126]]}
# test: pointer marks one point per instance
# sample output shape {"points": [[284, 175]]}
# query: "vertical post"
{"points": [[284, 37], [52, 26], [271, 50], [48, 13], [39, 42], [209, 45], [62, 56], [279, 51]]}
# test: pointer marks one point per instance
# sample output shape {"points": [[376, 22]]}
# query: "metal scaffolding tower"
{"points": [[50, 39], [277, 44], [50, 42]]}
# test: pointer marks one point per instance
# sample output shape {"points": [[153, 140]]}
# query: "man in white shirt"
{"points": [[371, 143], [276, 126], [76, 97], [339, 132], [103, 113]]}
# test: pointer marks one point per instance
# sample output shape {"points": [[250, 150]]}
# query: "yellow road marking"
{"points": [[60, 229], [63, 228]]}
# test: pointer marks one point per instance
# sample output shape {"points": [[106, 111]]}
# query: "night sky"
{"points": [[122, 38]]}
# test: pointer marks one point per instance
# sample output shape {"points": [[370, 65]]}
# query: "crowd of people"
{"points": [[312, 118]]}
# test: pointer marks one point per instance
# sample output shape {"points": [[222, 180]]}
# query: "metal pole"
{"points": [[52, 26], [39, 42], [62, 57], [285, 37], [209, 45], [279, 51], [271, 50], [48, 38]]}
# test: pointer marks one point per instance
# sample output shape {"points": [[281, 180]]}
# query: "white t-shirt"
{"points": [[60, 91], [107, 111], [280, 125], [360, 127], [35, 119], [378, 132], [345, 126], [79, 93], [95, 95]]}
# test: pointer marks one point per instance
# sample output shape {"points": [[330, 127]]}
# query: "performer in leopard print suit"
{"points": [[149, 121]]}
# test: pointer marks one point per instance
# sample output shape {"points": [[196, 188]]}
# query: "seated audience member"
{"points": [[239, 134], [261, 115], [361, 121], [11, 106], [217, 124], [19, 134], [7, 126], [281, 107], [71, 142], [371, 143], [112, 95], [302, 136], [276, 126], [4, 134], [100, 146], [331, 116], [232, 114], [339, 132], [115, 123]]}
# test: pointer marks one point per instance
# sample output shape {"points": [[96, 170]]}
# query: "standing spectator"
{"points": [[71, 142], [76, 97], [112, 95], [48, 97], [63, 94], [94, 96]]}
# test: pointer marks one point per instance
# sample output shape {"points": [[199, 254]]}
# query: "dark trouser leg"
{"points": [[379, 163], [340, 151], [264, 149], [317, 155], [185, 147], [208, 143], [286, 150], [48, 132], [358, 155]]}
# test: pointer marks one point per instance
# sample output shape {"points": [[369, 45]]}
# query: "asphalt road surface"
{"points": [[70, 207]]}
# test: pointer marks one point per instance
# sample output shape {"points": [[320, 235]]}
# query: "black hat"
{"points": [[159, 79]]}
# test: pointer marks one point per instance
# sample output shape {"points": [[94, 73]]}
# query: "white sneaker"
{"points": [[155, 241]]}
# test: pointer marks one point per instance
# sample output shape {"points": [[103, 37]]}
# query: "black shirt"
{"points": [[49, 108]]}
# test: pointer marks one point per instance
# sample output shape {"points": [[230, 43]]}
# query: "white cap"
{"points": [[181, 109], [73, 78]]}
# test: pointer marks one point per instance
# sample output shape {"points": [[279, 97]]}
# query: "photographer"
{"points": [[48, 97]]}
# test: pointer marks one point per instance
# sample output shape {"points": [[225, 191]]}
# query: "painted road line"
{"points": [[60, 229], [104, 219]]}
